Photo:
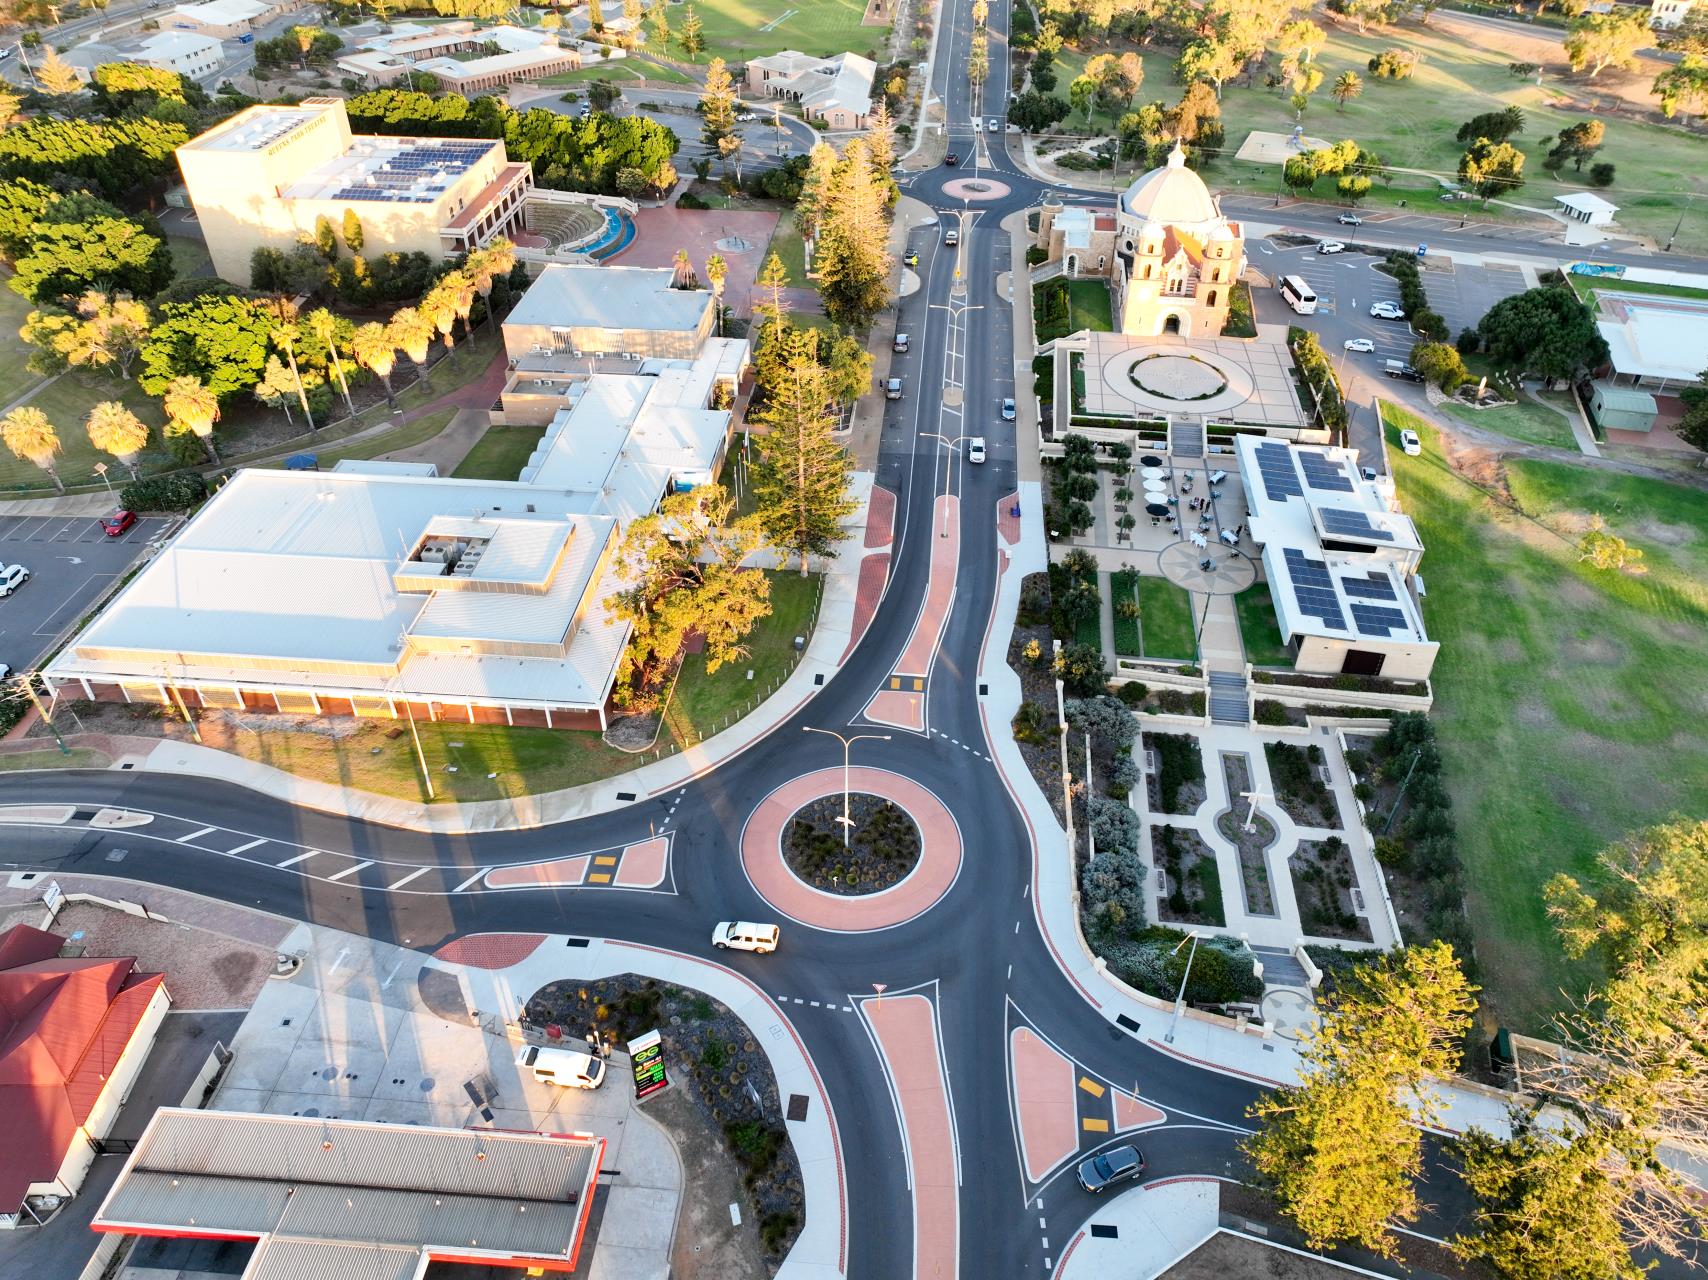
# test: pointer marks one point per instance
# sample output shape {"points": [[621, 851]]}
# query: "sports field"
{"points": [[737, 30], [1412, 122]]}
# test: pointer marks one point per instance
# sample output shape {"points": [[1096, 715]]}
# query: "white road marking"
{"points": [[350, 871], [301, 857], [476, 876], [419, 871], [244, 848], [194, 835]]}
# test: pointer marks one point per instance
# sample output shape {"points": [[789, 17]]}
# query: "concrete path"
{"points": [[1142, 1231], [447, 450], [1580, 429]]}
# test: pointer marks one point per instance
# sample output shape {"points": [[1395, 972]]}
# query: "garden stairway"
{"points": [[1280, 969], [1186, 440], [1228, 701]]}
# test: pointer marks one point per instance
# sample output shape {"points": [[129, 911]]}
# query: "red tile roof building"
{"points": [[73, 1035]]}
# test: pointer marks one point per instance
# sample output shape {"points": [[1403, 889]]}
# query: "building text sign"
{"points": [[646, 1057]]}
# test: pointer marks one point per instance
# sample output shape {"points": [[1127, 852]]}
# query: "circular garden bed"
{"points": [[883, 849]]}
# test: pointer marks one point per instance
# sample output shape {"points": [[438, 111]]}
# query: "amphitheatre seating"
{"points": [[564, 224]]}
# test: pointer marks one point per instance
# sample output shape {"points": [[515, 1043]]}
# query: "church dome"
{"points": [[1172, 195]]}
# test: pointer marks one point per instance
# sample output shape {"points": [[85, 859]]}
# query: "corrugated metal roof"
{"points": [[442, 1222], [639, 298], [279, 1259], [186, 1202]]}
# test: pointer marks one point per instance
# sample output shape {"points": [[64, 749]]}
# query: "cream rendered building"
{"points": [[264, 176], [1169, 254]]}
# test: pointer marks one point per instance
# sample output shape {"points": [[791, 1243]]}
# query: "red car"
{"points": [[117, 523]]}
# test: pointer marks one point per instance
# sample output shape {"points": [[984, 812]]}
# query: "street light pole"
{"points": [[1180, 997], [847, 819]]}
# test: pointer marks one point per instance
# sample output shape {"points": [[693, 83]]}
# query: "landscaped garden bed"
{"points": [[1231, 822], [1299, 788], [711, 1055], [1323, 880], [882, 849], [1193, 881], [1177, 786], [1269, 712]]}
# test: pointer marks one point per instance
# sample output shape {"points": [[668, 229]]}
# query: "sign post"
{"points": [[646, 1058]]}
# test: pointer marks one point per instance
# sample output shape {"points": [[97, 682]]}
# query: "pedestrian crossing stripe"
{"points": [[1092, 1125], [599, 877], [895, 682], [1091, 1086], [605, 860], [918, 685]]}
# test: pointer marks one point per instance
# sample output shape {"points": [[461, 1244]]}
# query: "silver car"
{"points": [[1120, 1164]]}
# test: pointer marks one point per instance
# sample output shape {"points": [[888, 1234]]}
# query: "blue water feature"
{"points": [[619, 231]]}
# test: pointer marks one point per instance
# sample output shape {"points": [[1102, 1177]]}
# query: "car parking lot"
{"points": [[71, 561]]}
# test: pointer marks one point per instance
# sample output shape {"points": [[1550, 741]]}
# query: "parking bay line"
{"points": [[476, 876], [301, 857], [244, 848], [194, 835], [350, 870], [419, 871]]}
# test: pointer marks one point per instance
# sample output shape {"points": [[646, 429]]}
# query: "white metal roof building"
{"points": [[357, 1200], [1339, 557], [1586, 207], [225, 19], [577, 310], [1654, 342], [186, 52]]}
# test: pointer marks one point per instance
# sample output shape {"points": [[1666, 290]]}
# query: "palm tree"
{"points": [[374, 349], [1347, 87], [287, 336], [29, 435], [194, 408], [277, 389], [717, 270], [684, 278], [412, 331], [497, 259], [116, 430], [460, 289], [439, 308], [324, 326]]}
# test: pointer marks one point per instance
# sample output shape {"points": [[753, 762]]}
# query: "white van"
{"points": [[745, 936], [563, 1067]]}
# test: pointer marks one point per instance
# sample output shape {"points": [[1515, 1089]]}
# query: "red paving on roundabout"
{"points": [[1044, 1099], [939, 855]]}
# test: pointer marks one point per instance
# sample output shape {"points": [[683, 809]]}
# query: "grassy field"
{"points": [[702, 702], [737, 30], [629, 68], [1569, 699], [1258, 629], [1412, 122], [1590, 287], [500, 454], [67, 400], [416, 432], [1165, 619], [1122, 585], [189, 256], [1526, 421], [1088, 308], [14, 351], [787, 244]]}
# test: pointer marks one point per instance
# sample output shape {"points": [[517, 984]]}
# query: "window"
{"points": [[1210, 301]]}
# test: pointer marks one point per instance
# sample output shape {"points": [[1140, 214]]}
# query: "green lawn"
{"points": [[1590, 287], [702, 702], [1088, 308], [1165, 617], [1526, 421], [67, 400], [1412, 123], [1569, 700], [629, 68], [189, 256], [787, 244], [14, 351], [500, 454], [820, 27], [420, 430], [1258, 628], [1121, 587]]}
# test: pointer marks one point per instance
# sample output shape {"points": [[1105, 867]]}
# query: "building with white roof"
{"points": [[263, 177], [1655, 342], [228, 19], [1340, 558], [186, 52], [574, 310], [86, 57], [521, 54], [380, 591], [835, 90], [1667, 14], [1586, 207]]}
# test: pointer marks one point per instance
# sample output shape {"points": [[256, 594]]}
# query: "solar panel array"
{"points": [[1375, 621], [1324, 473], [416, 175], [1352, 524], [1314, 589], [1280, 480], [1371, 587]]}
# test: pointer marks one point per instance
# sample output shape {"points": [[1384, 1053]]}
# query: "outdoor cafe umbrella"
{"points": [[1150, 460], [1155, 509]]}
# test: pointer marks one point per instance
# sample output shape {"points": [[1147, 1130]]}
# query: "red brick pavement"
{"points": [[874, 575], [659, 233], [490, 950], [880, 517]]}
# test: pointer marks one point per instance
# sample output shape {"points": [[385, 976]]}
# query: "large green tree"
{"points": [[222, 341], [852, 255], [1341, 1150], [1491, 168], [683, 570], [67, 258], [1545, 331], [1601, 40], [801, 481]]}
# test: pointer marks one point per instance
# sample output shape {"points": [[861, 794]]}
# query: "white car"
{"points": [[1388, 311], [1330, 246], [12, 576], [1410, 443], [741, 935], [563, 1067], [995, 125], [1008, 409], [745, 116], [975, 449], [1360, 344]]}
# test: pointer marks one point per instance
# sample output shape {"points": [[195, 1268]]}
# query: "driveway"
{"points": [[71, 561]]}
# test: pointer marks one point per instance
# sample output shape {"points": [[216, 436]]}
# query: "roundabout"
{"points": [[768, 869], [975, 189]]}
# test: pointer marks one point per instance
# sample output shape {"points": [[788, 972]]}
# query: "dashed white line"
{"points": [[194, 835], [814, 1003], [301, 857], [350, 870], [476, 876], [419, 871], [245, 848]]}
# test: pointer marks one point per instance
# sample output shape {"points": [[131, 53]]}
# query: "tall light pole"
{"points": [[847, 742], [101, 470], [1180, 997], [948, 459]]}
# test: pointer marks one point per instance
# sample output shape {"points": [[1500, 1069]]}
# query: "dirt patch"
{"points": [[723, 1075], [634, 733], [1596, 650], [883, 849], [1531, 712], [1670, 535], [707, 1244]]}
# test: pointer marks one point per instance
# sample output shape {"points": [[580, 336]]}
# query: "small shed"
{"points": [[1586, 207], [1621, 408]]}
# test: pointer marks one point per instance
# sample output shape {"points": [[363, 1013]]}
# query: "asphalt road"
{"points": [[978, 952], [71, 561]]}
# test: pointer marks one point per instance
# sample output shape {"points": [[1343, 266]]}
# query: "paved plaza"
{"points": [[1243, 379]]}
